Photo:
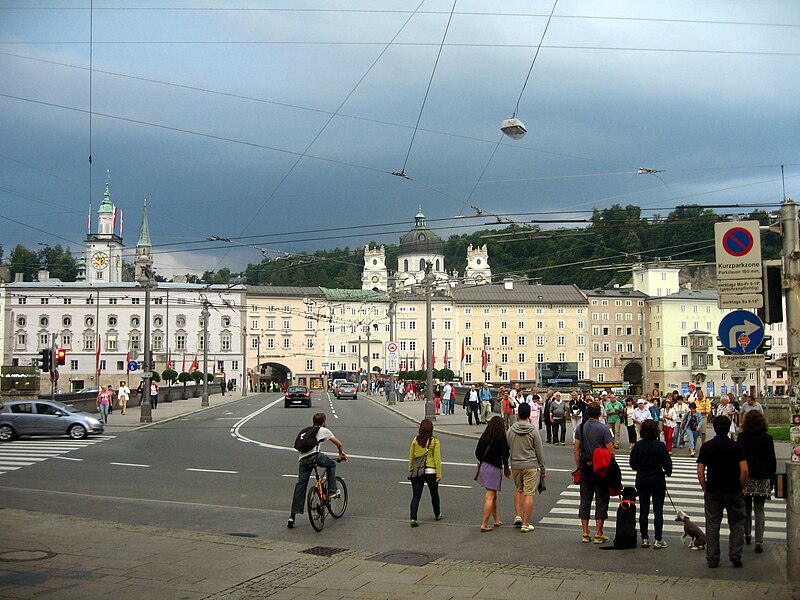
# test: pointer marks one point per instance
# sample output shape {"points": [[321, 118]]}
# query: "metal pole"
{"points": [[369, 358], [392, 399], [244, 350], [205, 314], [145, 409], [430, 411], [791, 285]]}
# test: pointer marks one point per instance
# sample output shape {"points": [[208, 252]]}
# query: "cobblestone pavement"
{"points": [[54, 556]]}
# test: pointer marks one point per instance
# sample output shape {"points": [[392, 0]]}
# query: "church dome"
{"points": [[421, 240]]}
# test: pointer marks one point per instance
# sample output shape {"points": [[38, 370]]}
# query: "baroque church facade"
{"points": [[418, 247]]}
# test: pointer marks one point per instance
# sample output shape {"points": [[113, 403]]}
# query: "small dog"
{"points": [[691, 531], [625, 537]]}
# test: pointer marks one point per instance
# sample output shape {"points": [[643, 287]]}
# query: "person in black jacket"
{"points": [[492, 451], [652, 463], [759, 450]]}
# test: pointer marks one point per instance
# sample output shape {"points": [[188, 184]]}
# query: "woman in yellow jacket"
{"points": [[424, 443]]}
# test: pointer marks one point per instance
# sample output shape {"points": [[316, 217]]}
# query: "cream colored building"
{"points": [[524, 329]]}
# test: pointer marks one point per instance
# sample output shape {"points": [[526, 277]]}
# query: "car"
{"points": [[45, 417], [347, 390], [297, 394], [336, 384]]}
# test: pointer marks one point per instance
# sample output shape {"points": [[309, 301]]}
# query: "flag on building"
{"points": [[89, 219], [484, 356], [423, 360], [169, 361], [114, 222], [194, 365], [433, 358], [445, 359], [121, 217], [463, 354], [183, 368], [97, 355]]}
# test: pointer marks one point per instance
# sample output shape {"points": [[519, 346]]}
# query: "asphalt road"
{"points": [[231, 469]]}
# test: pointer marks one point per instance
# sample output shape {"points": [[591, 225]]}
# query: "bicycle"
{"points": [[319, 500]]}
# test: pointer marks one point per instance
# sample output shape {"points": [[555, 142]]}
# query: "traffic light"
{"points": [[765, 347], [61, 356], [47, 360]]}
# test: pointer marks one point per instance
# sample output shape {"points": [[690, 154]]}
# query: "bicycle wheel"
{"points": [[316, 509], [337, 506]]}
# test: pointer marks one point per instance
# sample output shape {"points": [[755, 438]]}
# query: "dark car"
{"points": [[297, 395], [45, 417], [347, 390]]}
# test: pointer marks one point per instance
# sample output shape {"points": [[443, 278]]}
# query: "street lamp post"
{"points": [[392, 312], [205, 314], [145, 409], [369, 358], [428, 280]]}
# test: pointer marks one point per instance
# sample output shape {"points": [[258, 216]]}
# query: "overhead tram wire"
{"points": [[320, 132]]}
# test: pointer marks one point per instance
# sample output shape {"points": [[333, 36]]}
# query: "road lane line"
{"points": [[119, 464], [447, 485], [68, 458], [213, 471]]}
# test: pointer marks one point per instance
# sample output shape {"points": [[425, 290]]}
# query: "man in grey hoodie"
{"points": [[527, 465]]}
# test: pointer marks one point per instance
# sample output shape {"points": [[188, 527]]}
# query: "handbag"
{"points": [[418, 464], [541, 487], [576, 476]]}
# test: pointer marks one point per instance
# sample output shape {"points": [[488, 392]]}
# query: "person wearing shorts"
{"points": [[527, 465]]}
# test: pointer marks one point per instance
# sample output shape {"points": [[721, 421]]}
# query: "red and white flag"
{"points": [[463, 354], [169, 361], [97, 355], [121, 216], [445, 358], [484, 356], [114, 222], [89, 219], [183, 368], [423, 360], [433, 358], [194, 365]]}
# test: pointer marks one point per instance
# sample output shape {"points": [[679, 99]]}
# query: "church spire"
{"points": [[144, 230]]}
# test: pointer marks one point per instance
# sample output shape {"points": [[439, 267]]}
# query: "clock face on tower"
{"points": [[375, 279], [100, 260]]}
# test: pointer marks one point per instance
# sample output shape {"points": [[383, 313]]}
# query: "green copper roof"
{"points": [[144, 230], [106, 206]]}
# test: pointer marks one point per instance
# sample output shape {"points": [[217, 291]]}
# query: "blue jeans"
{"points": [[103, 410], [694, 438], [305, 466], [417, 485]]}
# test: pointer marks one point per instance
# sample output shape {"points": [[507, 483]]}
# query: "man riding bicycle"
{"points": [[306, 463]]}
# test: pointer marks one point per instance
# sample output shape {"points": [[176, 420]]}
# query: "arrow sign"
{"points": [[741, 332]]}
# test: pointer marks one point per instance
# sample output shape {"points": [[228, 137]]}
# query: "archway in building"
{"points": [[269, 376], [632, 373]]}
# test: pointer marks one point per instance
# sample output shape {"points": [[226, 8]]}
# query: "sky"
{"points": [[278, 125]]}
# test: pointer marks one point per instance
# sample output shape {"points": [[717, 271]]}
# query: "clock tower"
{"points": [[374, 276], [104, 248]]}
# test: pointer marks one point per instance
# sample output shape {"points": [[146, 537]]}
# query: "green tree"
{"points": [[24, 261], [170, 376]]}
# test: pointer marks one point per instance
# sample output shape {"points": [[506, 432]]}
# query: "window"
{"points": [[540, 340], [468, 311], [136, 300], [486, 325], [580, 324], [504, 340], [73, 365], [158, 342], [468, 359], [158, 300], [254, 342], [21, 321], [561, 324], [581, 358], [521, 359], [596, 363], [606, 347], [520, 340], [158, 321], [271, 325], [581, 340], [562, 357], [270, 343], [309, 364], [601, 377], [540, 357], [521, 325], [254, 324], [88, 342], [539, 324], [112, 321], [287, 324], [606, 363], [310, 343], [134, 341], [180, 341], [22, 300], [225, 342], [180, 321], [619, 346], [561, 340], [287, 343], [44, 340], [44, 321]]}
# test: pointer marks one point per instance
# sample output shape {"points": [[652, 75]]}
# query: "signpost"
{"points": [[742, 362], [392, 358], [739, 267], [741, 332]]}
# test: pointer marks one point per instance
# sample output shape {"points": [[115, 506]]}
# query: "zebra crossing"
{"points": [[685, 492], [23, 453]]}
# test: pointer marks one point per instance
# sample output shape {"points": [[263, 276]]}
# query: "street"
{"points": [[231, 470]]}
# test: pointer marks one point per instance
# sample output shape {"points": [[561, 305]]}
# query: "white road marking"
{"points": [[119, 464], [447, 485], [227, 419], [68, 458], [213, 471], [290, 475]]}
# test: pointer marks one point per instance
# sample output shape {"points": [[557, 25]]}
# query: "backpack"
{"points": [[306, 440]]}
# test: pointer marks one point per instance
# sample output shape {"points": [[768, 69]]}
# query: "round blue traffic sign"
{"points": [[741, 332], [737, 241], [133, 366]]}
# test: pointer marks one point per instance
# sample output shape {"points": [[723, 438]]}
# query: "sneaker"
{"points": [[586, 538], [517, 522], [526, 528], [659, 544], [601, 538], [414, 523], [290, 524], [439, 517], [645, 543], [737, 563]]}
